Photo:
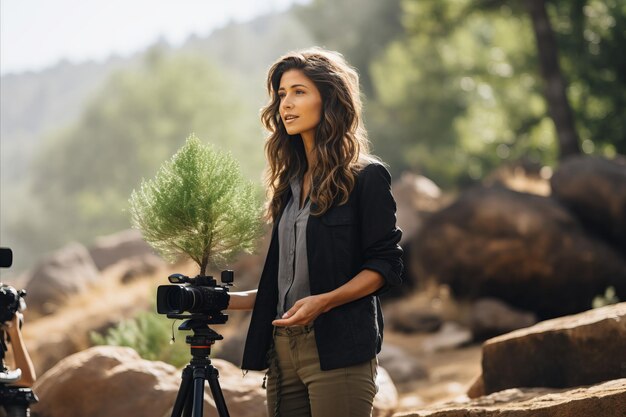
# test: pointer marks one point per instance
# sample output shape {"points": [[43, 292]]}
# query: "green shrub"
{"points": [[150, 335]]}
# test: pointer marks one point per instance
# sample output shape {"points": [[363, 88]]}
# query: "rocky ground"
{"points": [[450, 372], [432, 371], [491, 262]]}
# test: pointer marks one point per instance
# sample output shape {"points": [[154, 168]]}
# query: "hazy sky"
{"points": [[35, 34]]}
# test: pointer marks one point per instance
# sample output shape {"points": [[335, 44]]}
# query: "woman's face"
{"points": [[300, 104]]}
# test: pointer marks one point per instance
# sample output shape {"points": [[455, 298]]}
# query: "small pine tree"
{"points": [[198, 205]]}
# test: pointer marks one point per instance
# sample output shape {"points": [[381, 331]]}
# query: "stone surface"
{"points": [[594, 189], [451, 335], [521, 175], [108, 250], [577, 350], [66, 272], [490, 317], [602, 400], [523, 249], [403, 318], [55, 336], [386, 399], [477, 387], [401, 366], [415, 196], [139, 266], [107, 381]]}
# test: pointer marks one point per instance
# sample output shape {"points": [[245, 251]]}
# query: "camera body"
{"points": [[11, 301], [199, 295]]}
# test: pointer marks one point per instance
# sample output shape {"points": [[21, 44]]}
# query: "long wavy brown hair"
{"points": [[341, 145]]}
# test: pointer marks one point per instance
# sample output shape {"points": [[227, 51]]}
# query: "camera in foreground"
{"points": [[204, 300], [14, 401], [11, 301], [200, 295]]}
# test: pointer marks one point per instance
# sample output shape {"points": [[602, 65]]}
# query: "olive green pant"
{"points": [[297, 387]]}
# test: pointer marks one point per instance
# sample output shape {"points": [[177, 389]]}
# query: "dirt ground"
{"points": [[451, 372]]}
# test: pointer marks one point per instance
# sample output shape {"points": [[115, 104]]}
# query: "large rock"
{"points": [[107, 381], [594, 189], [522, 175], [111, 249], [401, 366], [603, 400], [416, 196], [66, 272], [417, 320], [451, 335], [571, 351], [489, 317], [386, 399], [524, 249]]}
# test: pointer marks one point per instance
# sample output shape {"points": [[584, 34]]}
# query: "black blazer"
{"points": [[360, 234]]}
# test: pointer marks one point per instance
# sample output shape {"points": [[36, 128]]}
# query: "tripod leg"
{"points": [[188, 403], [218, 396], [183, 393], [17, 411], [198, 395]]}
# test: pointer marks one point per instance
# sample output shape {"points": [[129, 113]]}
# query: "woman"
{"points": [[316, 322]]}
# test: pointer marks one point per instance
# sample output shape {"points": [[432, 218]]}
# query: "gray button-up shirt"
{"points": [[293, 267]]}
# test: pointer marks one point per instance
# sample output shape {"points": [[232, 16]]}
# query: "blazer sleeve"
{"points": [[379, 233]]}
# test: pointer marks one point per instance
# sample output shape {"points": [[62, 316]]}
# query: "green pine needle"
{"points": [[198, 206]]}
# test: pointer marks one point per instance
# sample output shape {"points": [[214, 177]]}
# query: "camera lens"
{"points": [[175, 299]]}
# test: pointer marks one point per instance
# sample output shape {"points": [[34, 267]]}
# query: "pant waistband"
{"points": [[292, 330]]}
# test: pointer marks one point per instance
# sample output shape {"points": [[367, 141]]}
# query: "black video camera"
{"points": [[11, 300], [199, 295]]}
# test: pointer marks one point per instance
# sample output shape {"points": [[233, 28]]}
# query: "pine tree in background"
{"points": [[198, 206]]}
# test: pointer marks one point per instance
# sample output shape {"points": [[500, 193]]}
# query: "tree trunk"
{"points": [[558, 106]]}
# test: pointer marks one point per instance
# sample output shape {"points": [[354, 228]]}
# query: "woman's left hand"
{"points": [[304, 311]]}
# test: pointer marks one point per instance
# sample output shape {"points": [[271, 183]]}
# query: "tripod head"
{"points": [[203, 337]]}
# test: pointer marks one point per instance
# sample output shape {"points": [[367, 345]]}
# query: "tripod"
{"points": [[191, 399]]}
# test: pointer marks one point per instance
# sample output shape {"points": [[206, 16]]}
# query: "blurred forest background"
{"points": [[453, 89]]}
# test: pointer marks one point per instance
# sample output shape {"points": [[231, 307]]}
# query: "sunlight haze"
{"points": [[35, 34]]}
